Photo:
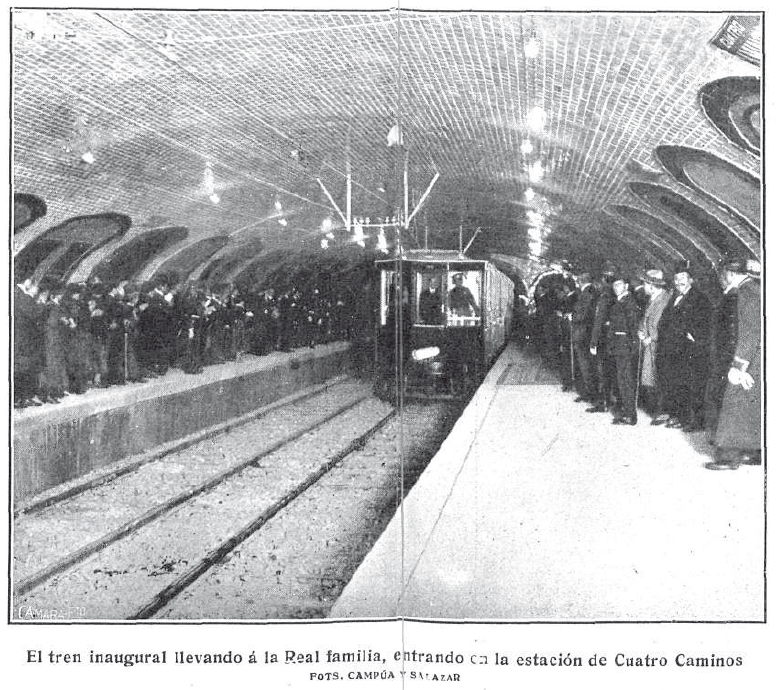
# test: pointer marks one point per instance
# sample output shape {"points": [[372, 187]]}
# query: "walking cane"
{"points": [[125, 356], [570, 350], [638, 372]]}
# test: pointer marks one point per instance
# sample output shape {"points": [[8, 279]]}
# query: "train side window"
{"points": [[463, 307], [429, 292]]}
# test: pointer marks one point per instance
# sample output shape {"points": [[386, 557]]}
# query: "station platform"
{"points": [[87, 433], [533, 510]]}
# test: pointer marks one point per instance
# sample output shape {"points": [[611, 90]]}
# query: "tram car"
{"points": [[455, 318]]}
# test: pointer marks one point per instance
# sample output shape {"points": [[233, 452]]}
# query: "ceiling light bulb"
{"points": [[381, 242], [214, 198], [327, 224], [536, 172], [283, 222], [536, 118], [324, 243], [527, 147], [208, 179], [529, 194], [330, 236], [532, 47], [277, 205], [88, 157]]}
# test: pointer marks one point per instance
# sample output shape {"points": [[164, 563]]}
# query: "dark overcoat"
{"points": [[683, 350], [739, 424], [723, 346], [583, 314]]}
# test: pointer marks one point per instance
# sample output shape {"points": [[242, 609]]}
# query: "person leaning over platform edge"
{"points": [[738, 437], [623, 347]]}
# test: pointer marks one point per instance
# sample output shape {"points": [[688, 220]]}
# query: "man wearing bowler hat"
{"points": [[738, 437], [582, 315], [604, 363], [683, 352], [623, 346], [654, 288]]}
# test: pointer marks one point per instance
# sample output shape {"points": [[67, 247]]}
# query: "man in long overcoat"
{"points": [[604, 362], [582, 316], [658, 296], [738, 437], [683, 352], [724, 333], [623, 347]]}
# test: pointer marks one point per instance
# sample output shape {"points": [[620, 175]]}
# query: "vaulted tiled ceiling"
{"points": [[175, 110]]}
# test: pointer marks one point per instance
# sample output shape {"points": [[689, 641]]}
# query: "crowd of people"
{"points": [[72, 337], [661, 345]]}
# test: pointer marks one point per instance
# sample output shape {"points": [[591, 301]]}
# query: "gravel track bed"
{"points": [[43, 538], [297, 565], [116, 582]]}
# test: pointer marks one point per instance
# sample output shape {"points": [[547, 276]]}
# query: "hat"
{"points": [[458, 275], [609, 269], [621, 275], [683, 267], [653, 276], [48, 283], [754, 268], [741, 264]]}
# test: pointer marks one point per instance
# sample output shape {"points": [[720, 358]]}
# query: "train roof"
{"points": [[434, 256]]}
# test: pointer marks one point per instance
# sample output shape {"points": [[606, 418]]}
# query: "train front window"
{"points": [[429, 291], [462, 300], [388, 279]]}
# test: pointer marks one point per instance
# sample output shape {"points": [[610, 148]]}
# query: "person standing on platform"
{"points": [[57, 341], [658, 296], [683, 352], [582, 316], [29, 318], [724, 334], [738, 437], [623, 347], [566, 296], [604, 364]]}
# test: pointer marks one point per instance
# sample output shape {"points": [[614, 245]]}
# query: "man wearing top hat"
{"points": [[683, 352], [738, 437], [654, 288]]}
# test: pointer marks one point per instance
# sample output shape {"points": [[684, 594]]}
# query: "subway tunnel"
{"points": [[247, 150]]}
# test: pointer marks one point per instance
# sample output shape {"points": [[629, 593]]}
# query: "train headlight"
{"points": [[423, 353]]}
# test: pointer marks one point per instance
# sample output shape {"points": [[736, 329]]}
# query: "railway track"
{"points": [[134, 543]]}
